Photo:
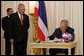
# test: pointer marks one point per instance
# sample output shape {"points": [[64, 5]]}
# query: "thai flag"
{"points": [[40, 11]]}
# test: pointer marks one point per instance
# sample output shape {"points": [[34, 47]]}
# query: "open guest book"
{"points": [[50, 41]]}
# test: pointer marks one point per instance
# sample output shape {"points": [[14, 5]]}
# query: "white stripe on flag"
{"points": [[42, 27], [37, 4]]}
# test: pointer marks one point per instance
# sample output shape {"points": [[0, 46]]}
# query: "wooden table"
{"points": [[62, 45]]}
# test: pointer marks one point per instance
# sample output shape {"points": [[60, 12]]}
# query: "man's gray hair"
{"points": [[65, 22], [21, 5]]}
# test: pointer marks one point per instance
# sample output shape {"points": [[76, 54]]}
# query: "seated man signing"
{"points": [[58, 36]]}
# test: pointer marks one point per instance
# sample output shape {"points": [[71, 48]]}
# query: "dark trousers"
{"points": [[7, 47], [55, 51], [20, 48], [44, 51]]}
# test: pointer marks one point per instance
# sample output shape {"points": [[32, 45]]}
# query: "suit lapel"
{"points": [[18, 19], [23, 19]]}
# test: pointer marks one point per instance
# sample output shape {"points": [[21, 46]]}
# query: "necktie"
{"points": [[21, 19]]}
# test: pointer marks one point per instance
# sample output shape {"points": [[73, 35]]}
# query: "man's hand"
{"points": [[55, 39], [46, 39], [11, 40]]}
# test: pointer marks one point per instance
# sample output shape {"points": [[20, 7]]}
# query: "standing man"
{"points": [[18, 30], [5, 25]]}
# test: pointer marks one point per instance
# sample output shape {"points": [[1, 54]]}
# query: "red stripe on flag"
{"points": [[41, 35], [36, 11]]}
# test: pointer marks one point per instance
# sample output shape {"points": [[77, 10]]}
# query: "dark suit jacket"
{"points": [[17, 31], [58, 33], [5, 25]]}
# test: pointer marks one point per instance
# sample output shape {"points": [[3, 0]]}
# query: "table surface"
{"points": [[52, 44]]}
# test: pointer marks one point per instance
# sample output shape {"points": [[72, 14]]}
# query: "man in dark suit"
{"points": [[5, 22], [18, 30], [57, 36]]}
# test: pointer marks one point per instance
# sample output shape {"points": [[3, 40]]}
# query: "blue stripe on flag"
{"points": [[42, 13]]}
